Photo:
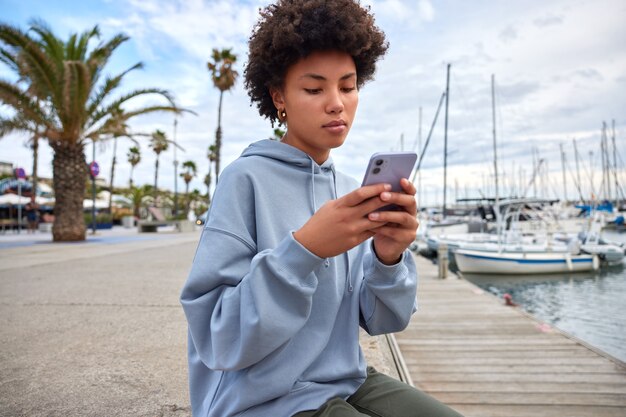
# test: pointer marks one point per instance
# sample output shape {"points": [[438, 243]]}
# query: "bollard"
{"points": [[442, 260]]}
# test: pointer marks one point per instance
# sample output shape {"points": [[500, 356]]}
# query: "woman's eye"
{"points": [[313, 90], [348, 89]]}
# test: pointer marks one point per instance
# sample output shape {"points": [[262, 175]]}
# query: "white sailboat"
{"points": [[523, 263], [610, 253]]}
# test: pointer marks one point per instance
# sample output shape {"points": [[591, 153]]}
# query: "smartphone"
{"points": [[390, 168]]}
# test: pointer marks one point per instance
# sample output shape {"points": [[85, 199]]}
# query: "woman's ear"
{"points": [[277, 98]]}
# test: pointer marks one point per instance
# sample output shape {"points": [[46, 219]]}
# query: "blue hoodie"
{"points": [[273, 328]]}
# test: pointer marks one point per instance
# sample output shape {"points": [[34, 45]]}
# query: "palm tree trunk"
{"points": [[70, 177], [208, 186], [187, 195], [35, 178], [218, 139], [130, 181], [112, 176], [156, 179]]}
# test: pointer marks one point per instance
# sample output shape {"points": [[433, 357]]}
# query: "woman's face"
{"points": [[320, 98]]}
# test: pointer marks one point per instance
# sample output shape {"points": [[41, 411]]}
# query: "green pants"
{"points": [[383, 396]]}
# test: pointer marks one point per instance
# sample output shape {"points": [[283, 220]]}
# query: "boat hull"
{"points": [[479, 262]]}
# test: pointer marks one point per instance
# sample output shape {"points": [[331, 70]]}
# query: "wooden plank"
{"points": [[467, 349], [509, 410], [521, 368], [537, 362], [510, 377], [536, 398], [534, 386]]}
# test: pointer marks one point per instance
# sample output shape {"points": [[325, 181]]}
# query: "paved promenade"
{"points": [[94, 328]]}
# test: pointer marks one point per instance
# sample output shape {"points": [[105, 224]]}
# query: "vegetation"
{"points": [[134, 157], [212, 155], [278, 134], [60, 96], [139, 196], [189, 172], [158, 143]]}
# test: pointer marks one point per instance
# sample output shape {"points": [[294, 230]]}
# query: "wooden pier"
{"points": [[484, 359]]}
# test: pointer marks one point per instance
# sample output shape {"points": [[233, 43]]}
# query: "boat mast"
{"points": [[605, 171], [445, 143], [419, 174], [578, 171], [617, 187], [495, 152], [534, 170], [563, 169]]}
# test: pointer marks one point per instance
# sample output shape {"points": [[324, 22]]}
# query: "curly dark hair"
{"points": [[293, 29]]}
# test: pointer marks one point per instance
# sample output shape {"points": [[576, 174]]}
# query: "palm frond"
{"points": [[52, 45], [83, 42], [110, 84], [15, 124], [9, 59], [101, 54], [23, 104], [103, 112], [77, 85], [152, 109], [32, 61]]}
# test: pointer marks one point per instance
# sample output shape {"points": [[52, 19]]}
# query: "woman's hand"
{"points": [[400, 227], [340, 225]]}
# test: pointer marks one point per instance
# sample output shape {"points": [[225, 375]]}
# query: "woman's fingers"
{"points": [[400, 218], [408, 186], [363, 194]]}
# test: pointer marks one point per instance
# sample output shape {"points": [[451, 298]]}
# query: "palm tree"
{"points": [[187, 175], [33, 142], [212, 155], [159, 143], [137, 195], [118, 128], [134, 157], [223, 76], [207, 182], [60, 92]]}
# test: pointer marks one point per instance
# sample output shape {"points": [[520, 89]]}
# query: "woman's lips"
{"points": [[336, 126]]}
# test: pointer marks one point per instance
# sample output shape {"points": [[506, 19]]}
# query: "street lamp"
{"points": [[175, 172]]}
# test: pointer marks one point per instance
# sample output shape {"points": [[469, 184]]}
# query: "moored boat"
{"points": [[473, 261]]}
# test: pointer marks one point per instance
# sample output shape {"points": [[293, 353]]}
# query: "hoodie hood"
{"points": [[287, 154], [294, 157]]}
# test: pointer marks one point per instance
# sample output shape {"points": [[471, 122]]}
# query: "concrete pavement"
{"points": [[94, 328]]}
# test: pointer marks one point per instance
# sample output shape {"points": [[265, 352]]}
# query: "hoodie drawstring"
{"points": [[314, 202], [346, 253]]}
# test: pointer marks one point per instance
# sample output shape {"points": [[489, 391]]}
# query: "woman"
{"points": [[293, 257]]}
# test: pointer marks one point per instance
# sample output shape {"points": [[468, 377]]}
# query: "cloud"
{"points": [[589, 74], [508, 34], [548, 20], [426, 10]]}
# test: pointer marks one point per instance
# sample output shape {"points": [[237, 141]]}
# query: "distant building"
{"points": [[6, 168]]}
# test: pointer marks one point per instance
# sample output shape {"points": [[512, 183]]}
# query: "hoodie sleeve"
{"points": [[242, 305], [388, 294]]}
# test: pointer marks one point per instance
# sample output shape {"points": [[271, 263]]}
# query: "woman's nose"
{"points": [[335, 103]]}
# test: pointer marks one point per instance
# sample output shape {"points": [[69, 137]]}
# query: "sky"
{"points": [[559, 70]]}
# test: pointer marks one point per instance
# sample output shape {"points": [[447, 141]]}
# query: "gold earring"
{"points": [[282, 114]]}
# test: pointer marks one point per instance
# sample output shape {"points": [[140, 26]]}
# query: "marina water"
{"points": [[590, 306]]}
